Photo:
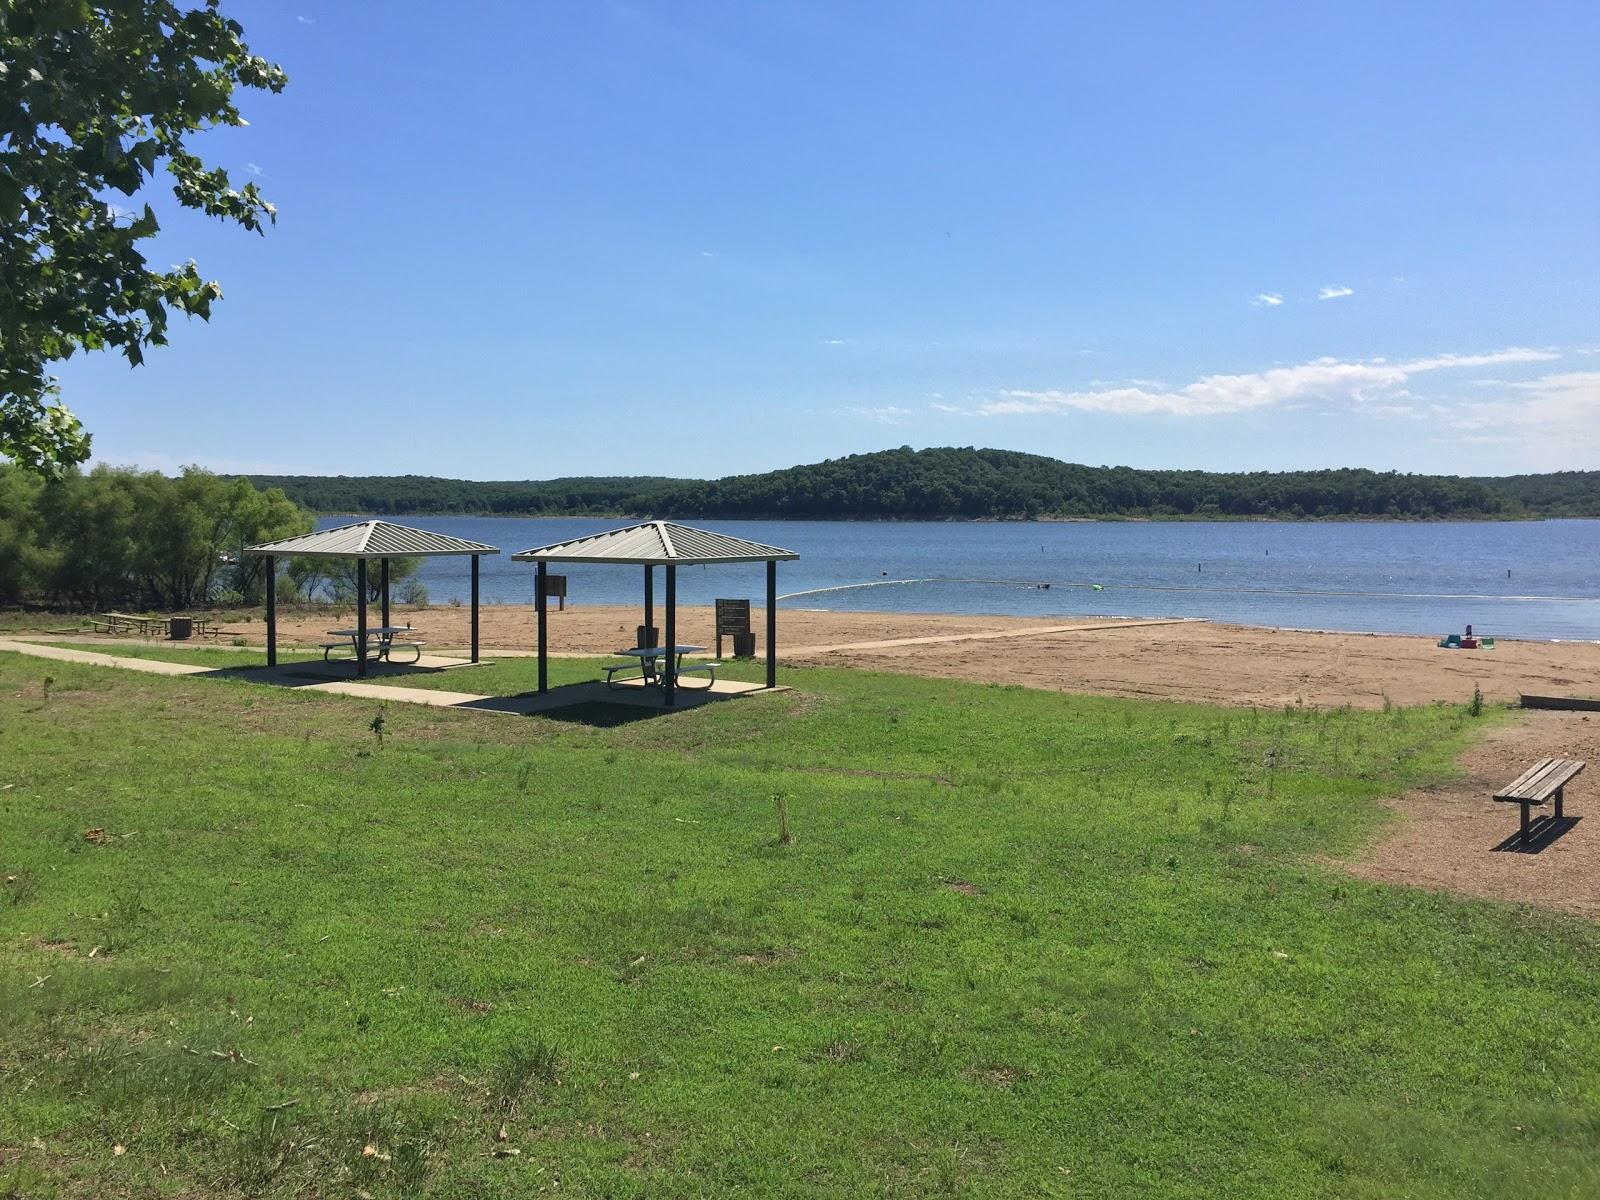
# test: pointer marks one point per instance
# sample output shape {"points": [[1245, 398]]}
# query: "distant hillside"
{"points": [[966, 484], [1558, 494], [397, 495]]}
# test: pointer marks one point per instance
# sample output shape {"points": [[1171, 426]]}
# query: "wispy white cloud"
{"points": [[885, 414], [1335, 291], [1321, 380], [253, 169], [838, 342], [1267, 300], [1557, 410], [306, 20]]}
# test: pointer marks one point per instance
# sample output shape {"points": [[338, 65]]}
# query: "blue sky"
{"points": [[529, 240]]}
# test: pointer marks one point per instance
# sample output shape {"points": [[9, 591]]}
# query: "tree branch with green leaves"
{"points": [[95, 98]]}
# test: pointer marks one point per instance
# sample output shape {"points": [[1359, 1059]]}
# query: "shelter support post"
{"points": [[383, 577], [649, 603], [361, 616], [540, 607], [272, 611], [772, 623], [475, 558], [669, 677]]}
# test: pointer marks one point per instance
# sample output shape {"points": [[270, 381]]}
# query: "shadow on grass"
{"points": [[1542, 832], [599, 715]]}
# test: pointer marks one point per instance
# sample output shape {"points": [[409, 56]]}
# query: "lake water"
{"points": [[1508, 579]]}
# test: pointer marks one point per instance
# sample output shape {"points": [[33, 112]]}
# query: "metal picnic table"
{"points": [[649, 657], [380, 642]]}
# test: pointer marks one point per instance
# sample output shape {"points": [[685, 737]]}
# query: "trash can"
{"points": [[182, 628], [744, 645], [641, 633]]}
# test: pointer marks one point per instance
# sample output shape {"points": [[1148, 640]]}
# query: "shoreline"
{"points": [[1103, 519], [1156, 659]]}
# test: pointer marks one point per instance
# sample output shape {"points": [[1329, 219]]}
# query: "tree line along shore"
{"points": [[116, 535], [967, 484]]}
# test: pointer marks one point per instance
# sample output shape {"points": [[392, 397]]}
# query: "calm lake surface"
{"points": [[1509, 579]]}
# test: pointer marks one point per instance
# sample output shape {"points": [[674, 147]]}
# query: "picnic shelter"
{"points": [[365, 542], [653, 544]]}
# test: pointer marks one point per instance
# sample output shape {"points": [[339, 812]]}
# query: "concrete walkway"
{"points": [[153, 666], [313, 677]]}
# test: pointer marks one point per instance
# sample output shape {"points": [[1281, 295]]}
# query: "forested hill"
{"points": [[1006, 484], [958, 484], [1557, 494], [393, 495]]}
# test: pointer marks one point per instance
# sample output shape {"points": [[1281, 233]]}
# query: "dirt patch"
{"points": [[1447, 836], [438, 1085], [999, 1077], [962, 886], [764, 958]]}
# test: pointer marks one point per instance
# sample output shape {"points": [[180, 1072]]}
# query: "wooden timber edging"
{"points": [[1562, 703]]}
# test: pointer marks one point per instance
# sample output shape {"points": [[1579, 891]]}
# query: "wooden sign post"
{"points": [[733, 617], [555, 588]]}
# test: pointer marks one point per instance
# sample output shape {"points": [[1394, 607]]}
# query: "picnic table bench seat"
{"points": [[646, 673], [1546, 779], [710, 668], [649, 673], [384, 652]]}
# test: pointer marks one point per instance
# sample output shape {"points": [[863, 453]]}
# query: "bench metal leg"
{"points": [[1524, 824], [1559, 790]]}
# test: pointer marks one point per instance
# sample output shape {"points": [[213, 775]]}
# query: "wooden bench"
{"points": [[1546, 778]]}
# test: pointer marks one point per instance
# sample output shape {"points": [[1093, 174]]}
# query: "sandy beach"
{"points": [[1191, 660]]}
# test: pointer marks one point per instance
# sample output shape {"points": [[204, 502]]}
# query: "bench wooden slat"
{"points": [[1541, 766], [1528, 782], [1532, 791], [1547, 783], [1541, 781], [1557, 779]]}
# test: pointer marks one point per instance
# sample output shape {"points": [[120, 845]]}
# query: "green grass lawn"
{"points": [[1022, 944]]}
